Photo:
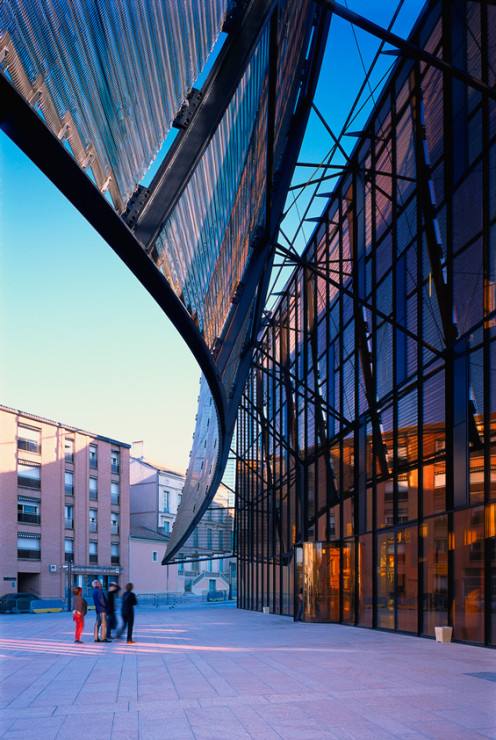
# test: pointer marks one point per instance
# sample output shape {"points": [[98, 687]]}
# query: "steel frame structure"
{"points": [[397, 483]]}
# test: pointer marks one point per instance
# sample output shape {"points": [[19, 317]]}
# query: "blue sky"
{"points": [[81, 341]]}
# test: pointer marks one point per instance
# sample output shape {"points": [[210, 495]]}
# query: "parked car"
{"points": [[15, 603]]}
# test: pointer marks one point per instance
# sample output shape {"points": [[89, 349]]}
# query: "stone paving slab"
{"points": [[219, 672]]}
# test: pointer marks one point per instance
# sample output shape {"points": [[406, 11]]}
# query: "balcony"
{"points": [[29, 554], [69, 523], [28, 518]]}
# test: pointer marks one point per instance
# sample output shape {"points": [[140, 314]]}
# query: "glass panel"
{"points": [[491, 545], [468, 607], [349, 582], [434, 534], [365, 580], [434, 488], [407, 580], [321, 582], [385, 581]]}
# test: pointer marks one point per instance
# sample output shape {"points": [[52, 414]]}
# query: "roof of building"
{"points": [[144, 533], [67, 427], [159, 466]]}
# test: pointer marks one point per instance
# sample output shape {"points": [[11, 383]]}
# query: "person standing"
{"points": [[101, 609], [112, 621], [299, 616], [129, 601], [79, 609]]}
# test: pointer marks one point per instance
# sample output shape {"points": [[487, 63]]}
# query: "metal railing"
{"points": [[28, 518], [25, 482], [172, 598], [28, 554]]}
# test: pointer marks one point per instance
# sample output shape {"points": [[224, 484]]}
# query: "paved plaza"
{"points": [[215, 671]]}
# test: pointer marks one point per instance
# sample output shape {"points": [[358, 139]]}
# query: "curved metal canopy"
{"points": [[89, 92]]}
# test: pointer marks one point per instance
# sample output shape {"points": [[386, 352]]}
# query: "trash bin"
{"points": [[443, 634]]}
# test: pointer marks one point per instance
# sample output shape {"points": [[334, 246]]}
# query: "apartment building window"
{"points": [[69, 517], [180, 566], [93, 488], [93, 520], [114, 492], [93, 456], [209, 539], [209, 566], [115, 461], [221, 540], [114, 553], [28, 438], [155, 556], [69, 449], [179, 497], [209, 515], [166, 501], [93, 552], [28, 474], [195, 537], [28, 546], [69, 483], [28, 510], [69, 549], [114, 523], [166, 527]]}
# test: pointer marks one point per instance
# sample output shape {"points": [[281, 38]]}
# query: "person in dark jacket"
{"points": [[101, 609], [129, 601], [112, 620], [79, 609]]}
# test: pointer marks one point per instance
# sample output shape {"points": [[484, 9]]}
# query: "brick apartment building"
{"points": [[64, 497]]}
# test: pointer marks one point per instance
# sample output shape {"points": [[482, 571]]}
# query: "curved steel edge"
{"points": [[29, 132], [279, 194]]}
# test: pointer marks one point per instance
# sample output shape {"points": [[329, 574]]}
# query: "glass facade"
{"points": [[365, 434]]}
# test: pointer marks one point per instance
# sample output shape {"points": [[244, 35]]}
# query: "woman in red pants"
{"points": [[79, 609]]}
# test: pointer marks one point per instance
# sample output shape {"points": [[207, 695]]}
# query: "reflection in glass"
{"points": [[434, 534], [349, 582], [468, 606], [491, 544], [365, 579], [321, 582], [385, 581], [407, 579]]}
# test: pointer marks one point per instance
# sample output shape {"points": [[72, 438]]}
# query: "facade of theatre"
{"points": [[367, 430]]}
